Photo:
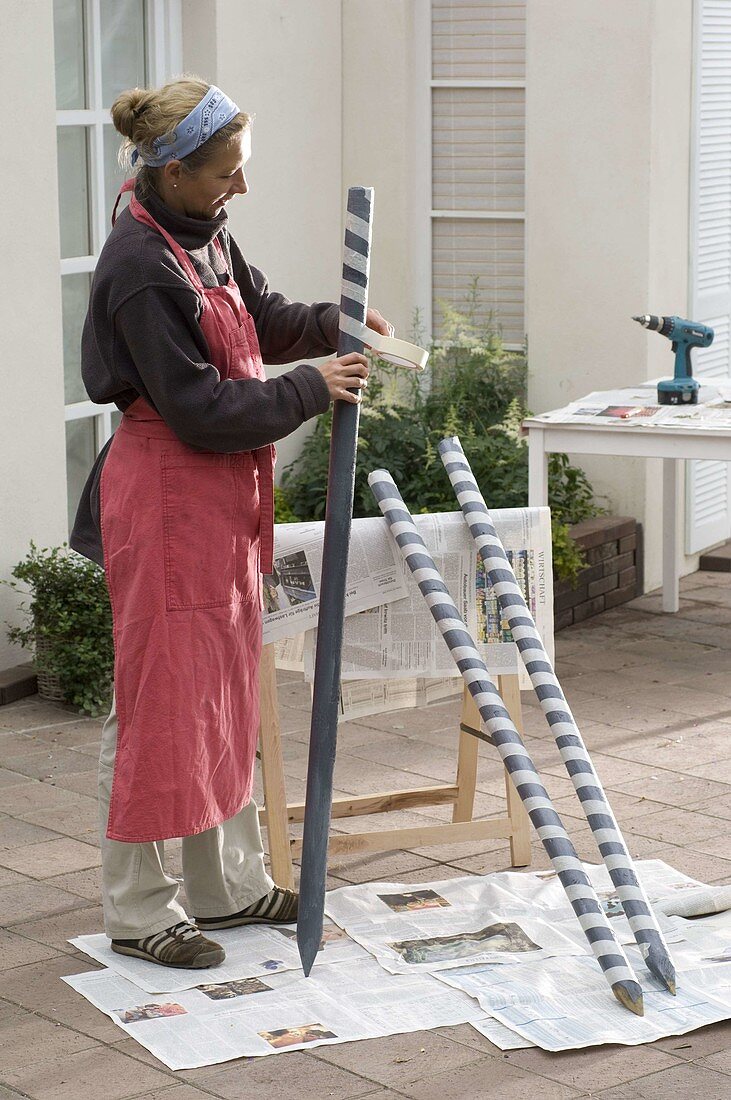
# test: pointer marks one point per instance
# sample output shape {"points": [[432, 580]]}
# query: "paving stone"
{"points": [[32, 899], [594, 1068], [671, 1084], [56, 930], [32, 798], [397, 1060], [51, 857], [297, 1074], [28, 1039], [487, 1077], [15, 832], [19, 950], [99, 1072], [37, 987]]}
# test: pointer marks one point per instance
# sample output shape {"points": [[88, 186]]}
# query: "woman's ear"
{"points": [[172, 172]]}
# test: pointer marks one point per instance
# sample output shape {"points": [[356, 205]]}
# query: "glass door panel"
{"points": [[123, 47], [73, 188], [68, 44], [75, 300], [80, 455]]}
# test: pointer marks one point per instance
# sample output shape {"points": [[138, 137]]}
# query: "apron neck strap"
{"points": [[128, 185]]}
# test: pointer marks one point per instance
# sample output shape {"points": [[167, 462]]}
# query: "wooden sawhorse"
{"points": [[277, 815]]}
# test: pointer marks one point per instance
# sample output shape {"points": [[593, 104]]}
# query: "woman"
{"points": [[179, 510]]}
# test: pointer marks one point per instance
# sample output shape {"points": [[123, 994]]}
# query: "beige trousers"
{"points": [[223, 868]]}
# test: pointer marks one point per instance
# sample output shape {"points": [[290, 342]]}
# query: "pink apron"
{"points": [[186, 534]]}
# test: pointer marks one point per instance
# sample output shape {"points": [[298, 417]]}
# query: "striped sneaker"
{"points": [[182, 946], [279, 906]]}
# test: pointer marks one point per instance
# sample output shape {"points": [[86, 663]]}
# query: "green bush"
{"points": [[474, 389], [69, 607]]}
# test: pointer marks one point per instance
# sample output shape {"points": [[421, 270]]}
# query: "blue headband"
{"points": [[213, 112]]}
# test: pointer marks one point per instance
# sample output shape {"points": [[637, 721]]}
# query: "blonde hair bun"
{"points": [[128, 107]]}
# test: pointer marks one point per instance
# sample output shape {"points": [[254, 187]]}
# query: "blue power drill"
{"points": [[683, 388]]}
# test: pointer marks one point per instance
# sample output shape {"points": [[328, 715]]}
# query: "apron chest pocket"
{"points": [[210, 530]]}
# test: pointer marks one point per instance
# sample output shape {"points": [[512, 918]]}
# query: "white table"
{"points": [[672, 445]]}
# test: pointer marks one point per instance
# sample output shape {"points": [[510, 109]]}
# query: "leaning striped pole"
{"points": [[338, 515], [563, 855], [558, 714]]}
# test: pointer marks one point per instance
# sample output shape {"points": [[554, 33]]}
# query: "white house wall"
{"points": [[33, 483], [608, 145]]}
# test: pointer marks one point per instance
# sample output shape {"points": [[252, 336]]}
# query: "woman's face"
{"points": [[205, 193]]}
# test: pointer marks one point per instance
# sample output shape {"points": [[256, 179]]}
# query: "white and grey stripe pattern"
{"points": [[356, 265], [558, 715], [507, 740]]}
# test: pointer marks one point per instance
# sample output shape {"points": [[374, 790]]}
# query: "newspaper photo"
{"points": [[291, 592], [400, 639], [219, 1020], [254, 952]]}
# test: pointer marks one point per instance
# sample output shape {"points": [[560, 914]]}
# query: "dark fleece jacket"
{"points": [[142, 338]]}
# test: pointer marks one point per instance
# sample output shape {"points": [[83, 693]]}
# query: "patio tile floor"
{"points": [[653, 695]]}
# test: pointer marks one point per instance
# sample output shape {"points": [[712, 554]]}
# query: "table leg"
{"points": [[537, 469], [670, 549]]}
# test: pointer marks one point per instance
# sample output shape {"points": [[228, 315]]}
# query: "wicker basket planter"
{"points": [[49, 683]]}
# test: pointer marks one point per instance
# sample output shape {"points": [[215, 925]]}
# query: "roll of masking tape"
{"points": [[399, 352]]}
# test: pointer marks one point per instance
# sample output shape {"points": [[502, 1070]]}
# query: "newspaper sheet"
{"points": [[289, 653], [638, 408], [565, 1004], [440, 925], [401, 639], [217, 1021], [359, 698], [292, 591], [261, 951]]}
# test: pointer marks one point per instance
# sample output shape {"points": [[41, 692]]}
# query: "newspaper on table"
{"points": [[400, 638], [217, 1021], [262, 951], [292, 591], [637, 407], [359, 698]]}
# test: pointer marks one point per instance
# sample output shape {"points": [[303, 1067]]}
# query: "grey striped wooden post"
{"points": [[563, 856], [558, 714], [338, 516]]}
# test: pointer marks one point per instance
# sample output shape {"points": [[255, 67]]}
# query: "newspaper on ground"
{"points": [[217, 1021], [400, 638], [700, 901], [440, 925], [562, 1003], [637, 407], [262, 951], [292, 591]]}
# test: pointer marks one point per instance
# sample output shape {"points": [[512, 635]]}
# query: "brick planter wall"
{"points": [[613, 575]]}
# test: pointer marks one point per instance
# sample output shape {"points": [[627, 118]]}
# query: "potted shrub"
{"points": [[67, 628]]}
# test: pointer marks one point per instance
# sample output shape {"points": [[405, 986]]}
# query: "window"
{"points": [[477, 82], [101, 48]]}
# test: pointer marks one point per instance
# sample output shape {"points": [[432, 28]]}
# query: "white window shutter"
{"points": [[708, 514], [478, 158]]}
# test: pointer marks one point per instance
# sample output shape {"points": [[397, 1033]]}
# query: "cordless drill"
{"points": [[683, 388]]}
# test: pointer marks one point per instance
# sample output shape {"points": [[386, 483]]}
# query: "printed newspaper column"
{"points": [[579, 890], [338, 517], [558, 714]]}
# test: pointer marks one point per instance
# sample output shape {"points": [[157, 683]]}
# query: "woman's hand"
{"points": [[375, 321], [344, 374]]}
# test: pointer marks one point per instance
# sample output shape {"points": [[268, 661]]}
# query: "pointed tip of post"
{"points": [[660, 965], [308, 946], [629, 994]]}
